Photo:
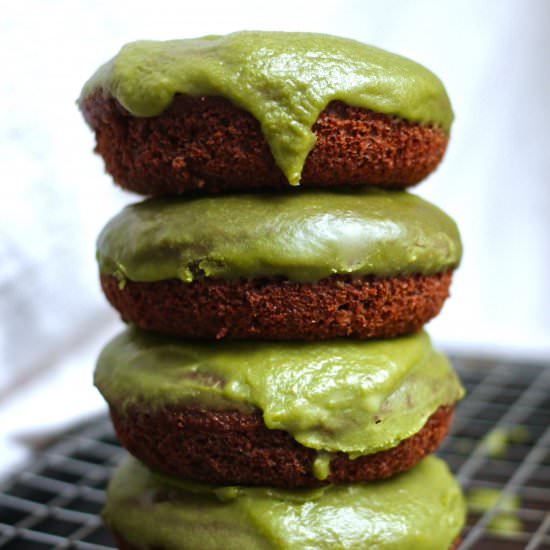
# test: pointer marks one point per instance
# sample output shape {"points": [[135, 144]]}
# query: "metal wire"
{"points": [[502, 398], [55, 501]]}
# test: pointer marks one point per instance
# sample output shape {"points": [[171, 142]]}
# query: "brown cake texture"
{"points": [[340, 306], [206, 143], [232, 447]]}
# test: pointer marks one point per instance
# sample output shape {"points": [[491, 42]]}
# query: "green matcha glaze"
{"points": [[358, 397], [321, 465], [303, 236], [284, 80], [420, 510]]}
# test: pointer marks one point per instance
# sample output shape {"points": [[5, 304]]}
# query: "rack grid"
{"points": [[55, 500]]}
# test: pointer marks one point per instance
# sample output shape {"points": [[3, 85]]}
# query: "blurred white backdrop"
{"points": [[493, 57]]}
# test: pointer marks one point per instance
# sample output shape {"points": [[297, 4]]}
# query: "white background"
{"points": [[493, 57]]}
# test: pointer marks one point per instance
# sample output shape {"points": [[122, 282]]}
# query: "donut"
{"points": [[318, 264], [253, 110], [275, 386], [279, 414], [422, 509]]}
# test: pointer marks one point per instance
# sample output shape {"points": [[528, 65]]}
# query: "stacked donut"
{"points": [[275, 385]]}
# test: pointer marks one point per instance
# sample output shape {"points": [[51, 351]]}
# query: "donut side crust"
{"points": [[208, 144], [340, 306]]}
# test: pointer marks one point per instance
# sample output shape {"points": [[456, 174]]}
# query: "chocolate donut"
{"points": [[281, 414], [308, 266], [422, 509], [255, 110]]}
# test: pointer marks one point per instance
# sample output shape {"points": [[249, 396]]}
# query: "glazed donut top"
{"points": [[352, 396], [283, 79], [422, 509], [304, 236]]}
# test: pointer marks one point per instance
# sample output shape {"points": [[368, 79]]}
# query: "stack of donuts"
{"points": [[274, 385]]}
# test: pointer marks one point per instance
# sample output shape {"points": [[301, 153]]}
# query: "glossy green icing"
{"points": [[284, 80], [321, 465], [303, 236], [358, 397], [422, 509]]}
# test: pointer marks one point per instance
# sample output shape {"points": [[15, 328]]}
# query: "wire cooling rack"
{"points": [[54, 502]]}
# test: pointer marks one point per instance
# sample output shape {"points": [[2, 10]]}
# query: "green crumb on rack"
{"points": [[496, 441], [505, 521]]}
